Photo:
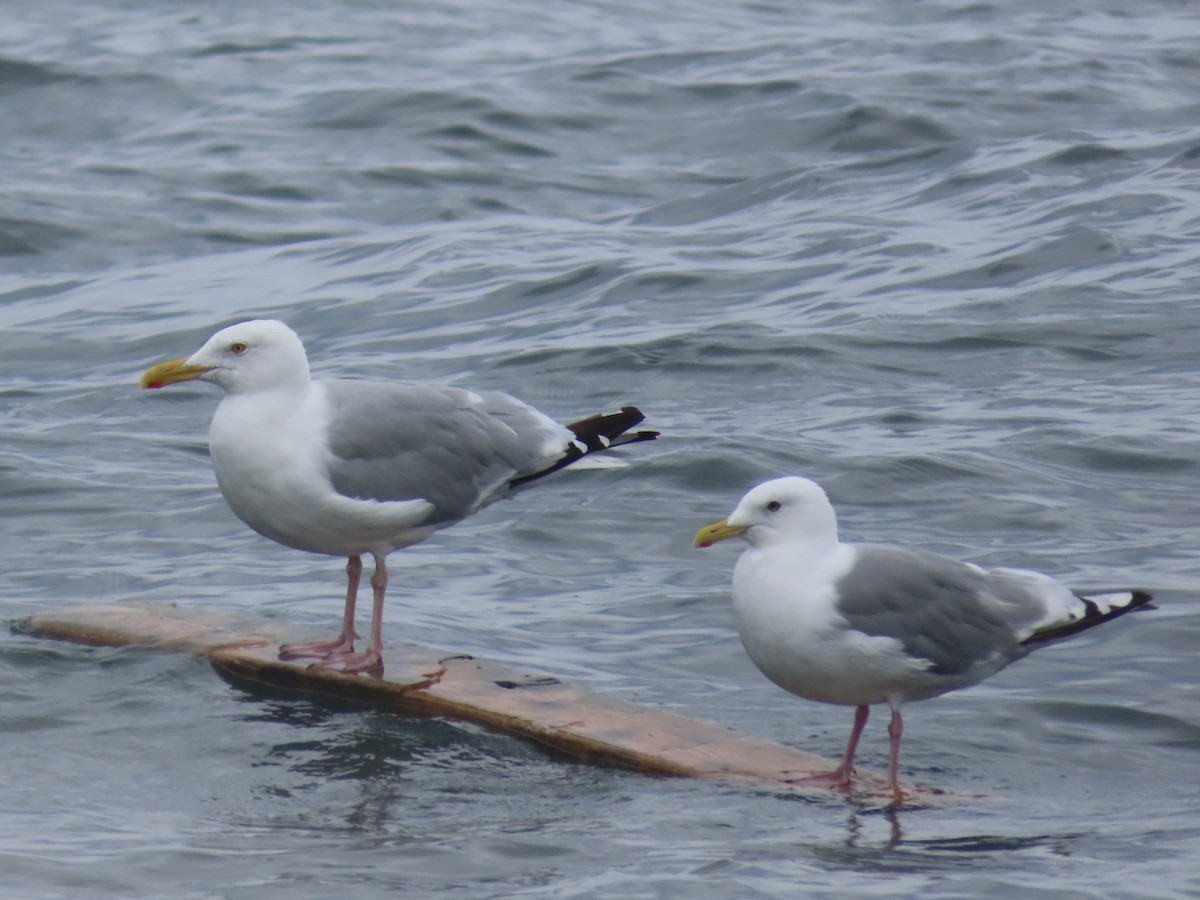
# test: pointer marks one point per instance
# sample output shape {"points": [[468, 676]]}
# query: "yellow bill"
{"points": [[172, 372], [717, 531]]}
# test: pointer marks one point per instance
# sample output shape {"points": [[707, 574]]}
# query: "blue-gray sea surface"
{"points": [[942, 257]]}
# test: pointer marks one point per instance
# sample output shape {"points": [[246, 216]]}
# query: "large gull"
{"points": [[858, 624], [347, 467]]}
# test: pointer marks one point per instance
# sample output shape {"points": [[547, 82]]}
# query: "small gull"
{"points": [[857, 624], [347, 467]]}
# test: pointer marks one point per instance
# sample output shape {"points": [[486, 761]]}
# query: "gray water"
{"points": [[941, 257]]}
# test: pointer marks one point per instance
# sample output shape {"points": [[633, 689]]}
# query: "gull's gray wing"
{"points": [[451, 447], [954, 615]]}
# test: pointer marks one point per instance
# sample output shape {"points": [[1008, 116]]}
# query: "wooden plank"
{"points": [[423, 681]]}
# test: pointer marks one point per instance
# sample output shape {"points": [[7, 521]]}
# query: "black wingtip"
{"points": [[1138, 600], [604, 430], [595, 434]]}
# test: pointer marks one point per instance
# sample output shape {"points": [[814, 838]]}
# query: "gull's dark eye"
{"points": [[237, 348], [774, 506]]}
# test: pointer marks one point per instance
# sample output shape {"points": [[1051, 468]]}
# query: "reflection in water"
{"points": [[372, 813], [374, 763], [854, 826], [916, 852], [990, 843]]}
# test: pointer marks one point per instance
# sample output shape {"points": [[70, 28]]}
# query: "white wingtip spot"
{"points": [[1108, 602]]}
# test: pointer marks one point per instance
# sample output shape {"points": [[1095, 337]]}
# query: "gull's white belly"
{"points": [[272, 473], [798, 640]]}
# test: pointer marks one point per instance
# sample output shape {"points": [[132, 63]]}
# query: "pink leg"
{"points": [[344, 642], [895, 730], [845, 772], [379, 581], [843, 775], [371, 659]]}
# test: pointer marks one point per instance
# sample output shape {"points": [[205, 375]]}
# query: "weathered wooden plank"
{"points": [[423, 681]]}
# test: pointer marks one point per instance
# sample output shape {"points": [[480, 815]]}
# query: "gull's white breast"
{"points": [[270, 454], [785, 604]]}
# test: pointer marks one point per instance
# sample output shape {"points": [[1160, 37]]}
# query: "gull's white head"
{"points": [[782, 511], [259, 355]]}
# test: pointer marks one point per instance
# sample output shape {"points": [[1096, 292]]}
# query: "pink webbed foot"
{"points": [[366, 661], [839, 778], [339, 646], [843, 776], [370, 660], [339, 654], [343, 644]]}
